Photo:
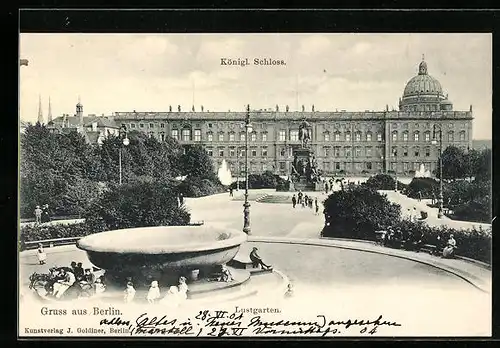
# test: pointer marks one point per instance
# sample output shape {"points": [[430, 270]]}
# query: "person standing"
{"points": [[129, 293], [326, 187], [294, 201], [181, 198], [419, 196], [305, 200], [45, 214], [300, 196], [38, 215], [42, 256], [230, 192], [316, 205]]}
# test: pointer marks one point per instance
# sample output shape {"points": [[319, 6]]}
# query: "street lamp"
{"points": [[395, 153], [125, 142], [435, 129], [246, 205]]}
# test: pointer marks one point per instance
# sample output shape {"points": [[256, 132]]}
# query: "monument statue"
{"points": [[304, 133], [287, 108]]}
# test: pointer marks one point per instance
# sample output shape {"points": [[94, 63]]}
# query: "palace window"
{"points": [[405, 152], [427, 152], [209, 125], [242, 152], [417, 152], [337, 165], [326, 136], [242, 136], [151, 134], [358, 136], [231, 152], [264, 152], [162, 125], [337, 136], [427, 136], [347, 151], [347, 136], [186, 134], [394, 152], [337, 151], [368, 152], [254, 152], [369, 165], [231, 136], [264, 136], [379, 136], [253, 136], [210, 137], [151, 125], [197, 135], [175, 134], [132, 125], [405, 166], [451, 136], [405, 136], [462, 135], [294, 135], [162, 136], [395, 136], [221, 137], [282, 135], [416, 136], [221, 152], [357, 152], [141, 125], [368, 136], [327, 151], [210, 152]]}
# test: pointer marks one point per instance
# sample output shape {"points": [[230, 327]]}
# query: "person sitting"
{"points": [[226, 275], [289, 291], [183, 288], [78, 271], [99, 286], [449, 250], [171, 299], [257, 260], [72, 267], [41, 255], [153, 293], [61, 285], [129, 292]]}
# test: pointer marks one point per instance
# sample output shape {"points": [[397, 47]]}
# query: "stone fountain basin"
{"points": [[162, 248]]}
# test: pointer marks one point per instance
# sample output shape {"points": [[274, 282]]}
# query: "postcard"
{"points": [[255, 185]]}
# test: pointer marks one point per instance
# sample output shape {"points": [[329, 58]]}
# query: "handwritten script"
{"points": [[226, 324]]}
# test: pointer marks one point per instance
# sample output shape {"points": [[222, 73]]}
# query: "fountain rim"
{"points": [[237, 238]]}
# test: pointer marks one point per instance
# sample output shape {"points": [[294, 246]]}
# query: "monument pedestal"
{"points": [[302, 180]]}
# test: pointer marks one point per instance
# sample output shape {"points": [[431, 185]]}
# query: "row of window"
{"points": [[186, 136], [427, 136], [328, 166]]}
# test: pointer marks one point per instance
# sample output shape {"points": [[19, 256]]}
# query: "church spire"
{"points": [[49, 115], [40, 112], [79, 111]]}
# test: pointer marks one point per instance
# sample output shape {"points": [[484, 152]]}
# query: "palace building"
{"points": [[366, 142]]}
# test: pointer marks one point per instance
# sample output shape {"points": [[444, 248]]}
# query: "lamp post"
{"points": [[395, 153], [246, 205], [125, 142], [435, 129]]}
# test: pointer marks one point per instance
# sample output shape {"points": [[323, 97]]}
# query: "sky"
{"points": [[149, 72]]}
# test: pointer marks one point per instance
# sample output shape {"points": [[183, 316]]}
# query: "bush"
{"points": [[426, 186], [34, 233], [357, 213], [198, 187], [262, 181], [283, 185], [478, 211], [138, 204], [381, 182], [472, 243]]}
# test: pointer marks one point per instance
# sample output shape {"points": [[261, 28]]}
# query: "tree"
{"points": [[138, 204], [196, 163], [455, 164], [480, 164], [357, 213]]}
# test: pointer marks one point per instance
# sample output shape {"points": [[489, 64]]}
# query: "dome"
{"points": [[423, 83]]}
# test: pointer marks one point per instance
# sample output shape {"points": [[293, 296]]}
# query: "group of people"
{"points": [[66, 277], [413, 241], [305, 201], [174, 296], [42, 215]]}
